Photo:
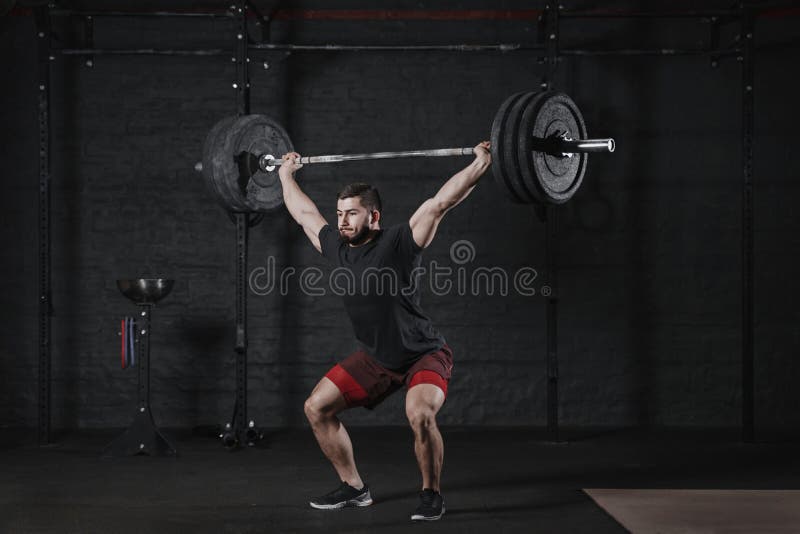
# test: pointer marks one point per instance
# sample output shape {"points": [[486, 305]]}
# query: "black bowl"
{"points": [[145, 290]]}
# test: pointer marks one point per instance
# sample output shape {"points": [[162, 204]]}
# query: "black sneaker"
{"points": [[431, 506], [344, 495]]}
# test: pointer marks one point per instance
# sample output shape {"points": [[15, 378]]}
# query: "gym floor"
{"points": [[495, 480]]}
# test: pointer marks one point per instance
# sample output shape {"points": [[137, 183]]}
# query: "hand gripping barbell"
{"points": [[539, 149]]}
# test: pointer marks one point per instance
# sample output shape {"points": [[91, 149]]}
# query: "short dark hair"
{"points": [[370, 198]]}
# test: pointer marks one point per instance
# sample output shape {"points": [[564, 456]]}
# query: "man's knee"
{"points": [[315, 409], [421, 418], [324, 402]]}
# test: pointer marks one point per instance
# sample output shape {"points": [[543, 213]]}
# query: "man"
{"points": [[398, 345]]}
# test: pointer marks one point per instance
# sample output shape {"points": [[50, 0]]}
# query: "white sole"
{"points": [[342, 504], [416, 517]]}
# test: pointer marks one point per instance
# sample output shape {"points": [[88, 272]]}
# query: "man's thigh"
{"points": [[363, 381]]}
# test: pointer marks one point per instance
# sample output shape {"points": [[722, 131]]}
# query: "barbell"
{"points": [[539, 148]]}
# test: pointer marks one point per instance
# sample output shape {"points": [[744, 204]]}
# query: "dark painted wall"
{"points": [[649, 248]]}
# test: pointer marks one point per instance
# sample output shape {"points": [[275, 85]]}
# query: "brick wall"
{"points": [[649, 248]]}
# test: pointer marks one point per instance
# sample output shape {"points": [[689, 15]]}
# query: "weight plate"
{"points": [[552, 178], [511, 141], [233, 139], [213, 159], [262, 135], [525, 164], [497, 140]]}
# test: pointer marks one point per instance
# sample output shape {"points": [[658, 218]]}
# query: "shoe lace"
{"points": [[427, 497], [338, 491]]}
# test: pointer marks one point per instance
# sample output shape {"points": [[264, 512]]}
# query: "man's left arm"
{"points": [[427, 217]]}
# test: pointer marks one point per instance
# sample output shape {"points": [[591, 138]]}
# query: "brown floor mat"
{"points": [[679, 511]]}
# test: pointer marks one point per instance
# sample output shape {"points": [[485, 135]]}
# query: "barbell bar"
{"points": [[539, 147], [560, 146]]}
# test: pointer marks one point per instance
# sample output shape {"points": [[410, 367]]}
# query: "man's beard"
{"points": [[358, 238]]}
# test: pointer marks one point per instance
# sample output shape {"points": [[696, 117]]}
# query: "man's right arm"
{"points": [[301, 208]]}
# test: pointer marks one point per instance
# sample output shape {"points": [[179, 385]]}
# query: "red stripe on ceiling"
{"points": [[780, 13], [397, 14]]}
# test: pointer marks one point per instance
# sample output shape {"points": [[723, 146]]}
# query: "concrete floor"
{"points": [[494, 480]]}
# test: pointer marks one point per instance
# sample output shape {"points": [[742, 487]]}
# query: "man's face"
{"points": [[354, 220]]}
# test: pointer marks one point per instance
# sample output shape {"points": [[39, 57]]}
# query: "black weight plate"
{"points": [[497, 140], [511, 142], [214, 160], [525, 146], [262, 135], [556, 178], [258, 135], [526, 169], [229, 180]]}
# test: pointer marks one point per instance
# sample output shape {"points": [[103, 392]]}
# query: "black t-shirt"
{"points": [[378, 284]]}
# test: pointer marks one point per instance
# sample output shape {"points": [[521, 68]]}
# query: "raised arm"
{"points": [[301, 208], [427, 217]]}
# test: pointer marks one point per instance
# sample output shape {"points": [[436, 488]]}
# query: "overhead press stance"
{"points": [[398, 345]]}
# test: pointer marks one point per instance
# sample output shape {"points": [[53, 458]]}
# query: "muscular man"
{"points": [[398, 345]]}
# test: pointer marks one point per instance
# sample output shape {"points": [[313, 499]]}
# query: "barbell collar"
{"points": [[588, 145], [562, 146]]}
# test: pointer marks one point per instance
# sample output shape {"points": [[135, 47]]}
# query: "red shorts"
{"points": [[365, 382]]}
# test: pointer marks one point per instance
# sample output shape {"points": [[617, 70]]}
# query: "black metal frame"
{"points": [[241, 430], [498, 47], [45, 292], [745, 51], [748, 238], [549, 34]]}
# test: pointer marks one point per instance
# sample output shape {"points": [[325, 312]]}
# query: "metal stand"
{"points": [[241, 429], [748, 239], [548, 30], [551, 242], [42, 17], [142, 436]]}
